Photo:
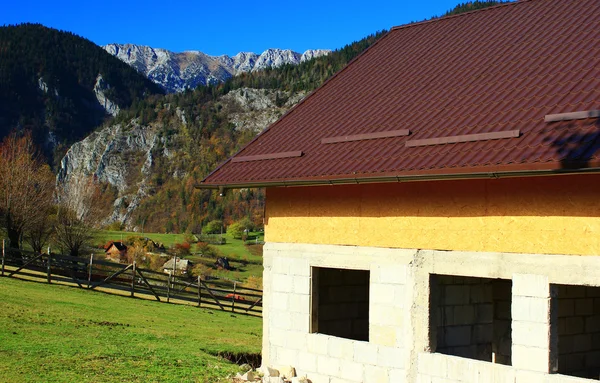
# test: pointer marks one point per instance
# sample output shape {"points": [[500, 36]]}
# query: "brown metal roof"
{"points": [[495, 70]]}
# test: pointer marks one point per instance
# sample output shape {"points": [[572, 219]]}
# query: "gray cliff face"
{"points": [[118, 155], [176, 72], [122, 155], [255, 109], [106, 104]]}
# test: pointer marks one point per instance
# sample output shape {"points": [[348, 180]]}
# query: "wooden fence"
{"points": [[117, 278]]}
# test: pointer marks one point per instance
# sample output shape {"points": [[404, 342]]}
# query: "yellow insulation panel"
{"points": [[547, 215]]}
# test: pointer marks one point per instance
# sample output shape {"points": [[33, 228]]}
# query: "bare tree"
{"points": [[26, 186], [76, 216], [38, 234]]}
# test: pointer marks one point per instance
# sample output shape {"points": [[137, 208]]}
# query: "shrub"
{"points": [[213, 227], [239, 228]]}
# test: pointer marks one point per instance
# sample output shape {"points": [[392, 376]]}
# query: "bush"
{"points": [[237, 229], [213, 227]]}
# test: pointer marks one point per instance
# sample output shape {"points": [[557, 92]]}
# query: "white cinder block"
{"points": [[282, 283], [381, 293], [392, 274], [317, 343], [531, 334], [280, 301], [299, 266], [530, 309], [281, 265], [328, 366], [484, 372], [365, 352], [281, 319], [386, 315], [352, 371], [299, 303], [341, 348], [296, 340], [530, 377], [530, 358], [455, 368], [277, 337], [301, 285], [383, 335], [300, 322], [286, 356], [390, 357], [397, 376], [338, 380], [374, 374], [307, 362], [530, 285], [318, 378], [432, 364]]}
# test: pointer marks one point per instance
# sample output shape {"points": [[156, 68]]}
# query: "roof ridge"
{"points": [[432, 20]]}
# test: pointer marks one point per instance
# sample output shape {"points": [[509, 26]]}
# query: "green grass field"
{"points": [[51, 333]]}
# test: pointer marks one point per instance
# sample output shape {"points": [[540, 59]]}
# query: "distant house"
{"points": [[116, 252], [433, 209], [181, 266]]}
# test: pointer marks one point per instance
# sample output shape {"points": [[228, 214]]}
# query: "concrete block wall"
{"points": [[399, 335], [471, 317], [324, 358], [341, 302], [578, 330]]}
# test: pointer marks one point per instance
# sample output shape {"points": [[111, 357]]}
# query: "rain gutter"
{"points": [[400, 178]]}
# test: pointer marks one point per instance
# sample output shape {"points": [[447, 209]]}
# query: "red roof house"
{"points": [[432, 210]]}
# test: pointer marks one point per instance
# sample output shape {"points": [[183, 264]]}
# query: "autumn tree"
{"points": [[26, 187]]}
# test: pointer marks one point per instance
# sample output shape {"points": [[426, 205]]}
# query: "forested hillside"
{"points": [[47, 79]]}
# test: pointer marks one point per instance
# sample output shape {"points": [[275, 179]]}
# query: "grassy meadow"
{"points": [[55, 333]]}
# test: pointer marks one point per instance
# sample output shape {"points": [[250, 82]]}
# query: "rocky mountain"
{"points": [[127, 158], [176, 72]]}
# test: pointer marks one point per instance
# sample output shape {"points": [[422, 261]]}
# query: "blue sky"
{"points": [[222, 27]]}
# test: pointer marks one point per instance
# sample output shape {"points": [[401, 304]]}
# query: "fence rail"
{"points": [[90, 273]]}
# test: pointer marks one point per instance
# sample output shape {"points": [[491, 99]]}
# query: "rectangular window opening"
{"points": [[340, 302], [471, 317], [578, 329]]}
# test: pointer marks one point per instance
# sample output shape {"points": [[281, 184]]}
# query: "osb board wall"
{"points": [[548, 215]]}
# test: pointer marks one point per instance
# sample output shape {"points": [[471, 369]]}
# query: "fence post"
{"points": [[168, 286], [199, 297], [90, 270], [3, 255], [133, 279], [48, 271], [233, 297]]}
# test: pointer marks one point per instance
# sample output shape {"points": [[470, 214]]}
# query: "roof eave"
{"points": [[400, 178]]}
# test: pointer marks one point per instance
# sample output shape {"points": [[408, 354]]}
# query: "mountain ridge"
{"points": [[178, 71]]}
